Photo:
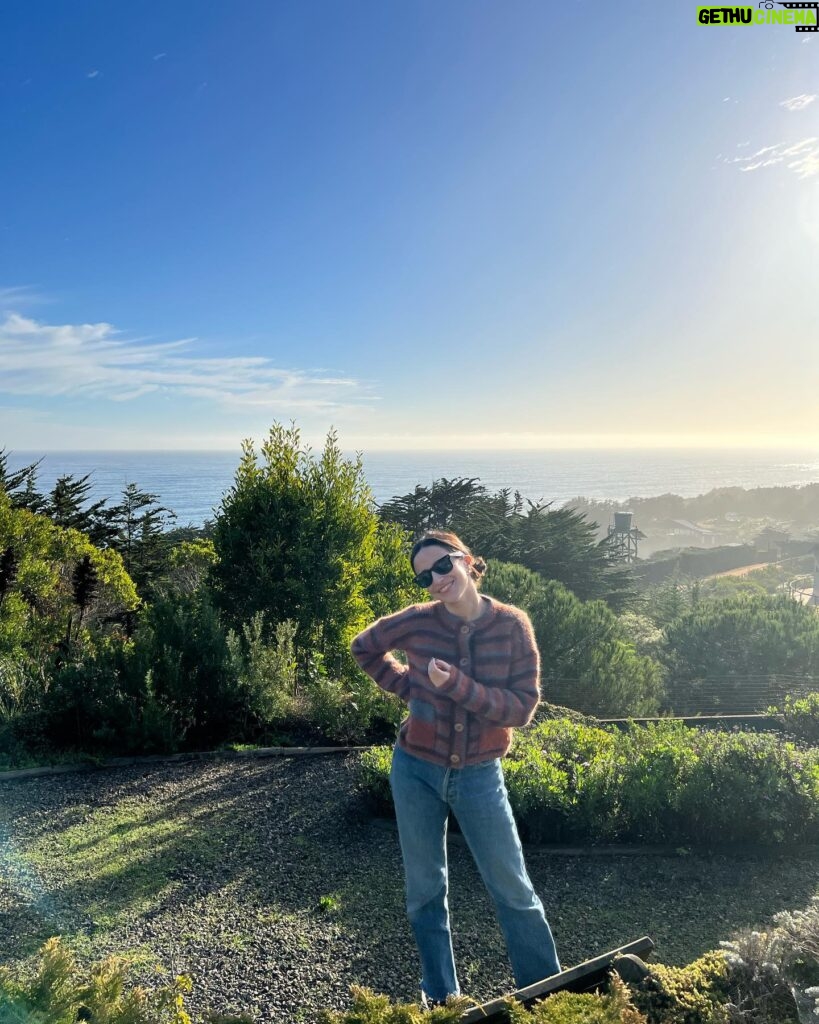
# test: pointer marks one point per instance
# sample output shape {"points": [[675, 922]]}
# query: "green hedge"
{"points": [[663, 783], [800, 717]]}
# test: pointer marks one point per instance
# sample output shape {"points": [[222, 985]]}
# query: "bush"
{"points": [[59, 993], [664, 783], [695, 994], [296, 538], [737, 649], [266, 672], [588, 660], [612, 1007], [800, 717]]}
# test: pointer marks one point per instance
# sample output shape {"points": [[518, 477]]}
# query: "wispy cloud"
{"points": [[159, 56], [800, 158], [20, 297], [96, 361], [92, 74], [798, 102]]}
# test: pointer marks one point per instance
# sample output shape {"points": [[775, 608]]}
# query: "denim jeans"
{"points": [[423, 794]]}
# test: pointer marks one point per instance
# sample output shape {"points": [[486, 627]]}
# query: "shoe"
{"points": [[430, 1004]]}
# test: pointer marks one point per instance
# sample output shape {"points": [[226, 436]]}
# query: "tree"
{"points": [[588, 661], [139, 535], [558, 544], [741, 653], [20, 484], [297, 538], [84, 585], [64, 505], [41, 592]]}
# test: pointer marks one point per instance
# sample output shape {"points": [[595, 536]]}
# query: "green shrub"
{"points": [[588, 659], [374, 778], [294, 539], [800, 716], [59, 993], [663, 783], [182, 644], [750, 787], [371, 1008], [612, 1007], [266, 672], [694, 994]]}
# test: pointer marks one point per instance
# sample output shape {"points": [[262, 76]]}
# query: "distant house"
{"points": [[685, 528]]}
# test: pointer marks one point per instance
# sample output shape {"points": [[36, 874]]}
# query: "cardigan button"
{"points": [[459, 727], [464, 661], [464, 629], [454, 759]]}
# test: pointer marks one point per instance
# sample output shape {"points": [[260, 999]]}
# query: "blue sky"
{"points": [[468, 223]]}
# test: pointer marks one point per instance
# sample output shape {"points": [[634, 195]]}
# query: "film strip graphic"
{"points": [[801, 7]]}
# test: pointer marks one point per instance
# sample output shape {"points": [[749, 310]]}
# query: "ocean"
{"points": [[191, 484]]}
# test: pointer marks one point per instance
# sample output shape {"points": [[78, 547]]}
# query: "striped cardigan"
{"points": [[492, 685]]}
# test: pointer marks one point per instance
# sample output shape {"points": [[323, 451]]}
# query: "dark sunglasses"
{"points": [[442, 567]]}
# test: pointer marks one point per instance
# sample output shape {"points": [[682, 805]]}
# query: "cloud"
{"points": [[159, 56], [801, 158], [96, 362], [92, 74], [19, 297], [798, 102]]}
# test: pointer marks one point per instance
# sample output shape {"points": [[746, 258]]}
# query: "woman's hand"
{"points": [[438, 671]]}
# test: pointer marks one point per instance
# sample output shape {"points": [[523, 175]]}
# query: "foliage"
{"points": [[295, 539], [800, 717], [374, 778], [51, 576], [587, 658], [612, 1007], [695, 994], [64, 506], [20, 485], [728, 645], [60, 993], [189, 565], [139, 526], [759, 969], [266, 677], [181, 646], [662, 783], [372, 1008], [558, 544]]}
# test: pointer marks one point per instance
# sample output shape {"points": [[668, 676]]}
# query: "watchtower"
{"points": [[624, 536]]}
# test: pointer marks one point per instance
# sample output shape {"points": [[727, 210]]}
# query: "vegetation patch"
{"points": [[664, 783]]}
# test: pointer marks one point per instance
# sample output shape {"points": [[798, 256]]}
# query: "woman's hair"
{"points": [[450, 541]]}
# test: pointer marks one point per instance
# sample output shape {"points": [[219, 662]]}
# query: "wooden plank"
{"points": [[586, 976]]}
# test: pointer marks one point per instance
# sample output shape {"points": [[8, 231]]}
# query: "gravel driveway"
{"points": [[267, 882]]}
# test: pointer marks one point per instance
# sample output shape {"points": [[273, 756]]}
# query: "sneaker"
{"points": [[430, 1004]]}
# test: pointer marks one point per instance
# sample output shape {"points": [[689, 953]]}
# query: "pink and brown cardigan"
{"points": [[493, 684]]}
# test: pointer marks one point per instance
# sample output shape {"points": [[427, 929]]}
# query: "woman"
{"points": [[472, 675]]}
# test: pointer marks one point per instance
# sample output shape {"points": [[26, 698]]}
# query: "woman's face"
{"points": [[448, 587]]}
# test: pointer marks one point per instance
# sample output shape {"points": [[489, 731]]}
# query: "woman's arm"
{"points": [[512, 705], [371, 649]]}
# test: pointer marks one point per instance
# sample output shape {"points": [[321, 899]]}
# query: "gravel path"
{"points": [[266, 881]]}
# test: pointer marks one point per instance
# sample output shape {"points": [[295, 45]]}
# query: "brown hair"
{"points": [[452, 542]]}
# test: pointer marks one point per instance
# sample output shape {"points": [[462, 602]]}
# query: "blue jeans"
{"points": [[423, 794]]}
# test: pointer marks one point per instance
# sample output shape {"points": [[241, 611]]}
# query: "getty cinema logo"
{"points": [[803, 16]]}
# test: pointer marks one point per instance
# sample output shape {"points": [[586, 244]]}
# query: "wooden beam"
{"points": [[586, 976]]}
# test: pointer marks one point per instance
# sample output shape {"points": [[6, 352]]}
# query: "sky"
{"points": [[464, 224]]}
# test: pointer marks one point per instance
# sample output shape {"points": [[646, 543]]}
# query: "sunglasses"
{"points": [[441, 567]]}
